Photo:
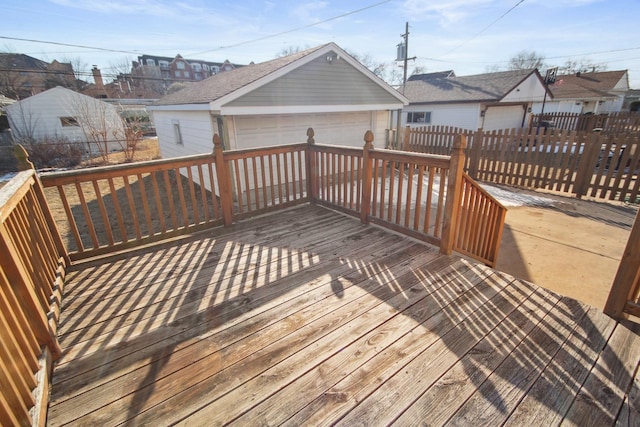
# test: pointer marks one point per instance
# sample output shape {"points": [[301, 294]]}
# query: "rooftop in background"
{"points": [[590, 85], [445, 86]]}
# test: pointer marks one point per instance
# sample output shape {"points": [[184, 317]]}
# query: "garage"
{"points": [[503, 117], [330, 128]]}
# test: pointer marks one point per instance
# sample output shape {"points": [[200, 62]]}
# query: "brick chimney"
{"points": [[97, 78]]}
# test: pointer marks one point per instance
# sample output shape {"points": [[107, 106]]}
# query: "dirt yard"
{"points": [[570, 246]]}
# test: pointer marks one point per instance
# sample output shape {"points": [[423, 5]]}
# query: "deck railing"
{"points": [[31, 282], [116, 207]]}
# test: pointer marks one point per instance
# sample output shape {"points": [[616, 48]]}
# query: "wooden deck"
{"points": [[309, 317]]}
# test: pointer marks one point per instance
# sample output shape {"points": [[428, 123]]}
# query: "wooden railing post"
{"points": [[224, 181], [454, 195], [312, 190], [365, 206], [406, 146], [625, 285]]}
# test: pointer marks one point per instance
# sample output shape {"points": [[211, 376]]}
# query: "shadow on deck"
{"points": [[308, 316]]}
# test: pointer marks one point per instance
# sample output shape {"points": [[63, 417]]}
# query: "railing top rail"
{"points": [[482, 190], [102, 171], [13, 192], [283, 148]]}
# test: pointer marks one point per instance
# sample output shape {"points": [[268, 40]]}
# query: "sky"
{"points": [[467, 36]]}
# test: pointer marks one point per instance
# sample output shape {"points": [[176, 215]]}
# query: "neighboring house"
{"points": [[490, 101], [22, 76], [275, 102], [61, 113], [582, 93]]}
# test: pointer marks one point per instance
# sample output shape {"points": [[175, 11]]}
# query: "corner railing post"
{"points": [[365, 206], [454, 195], [310, 158], [224, 181]]}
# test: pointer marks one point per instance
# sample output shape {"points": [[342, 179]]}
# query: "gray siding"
{"points": [[318, 83]]}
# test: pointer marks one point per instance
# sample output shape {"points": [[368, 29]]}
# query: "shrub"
{"points": [[54, 153]]}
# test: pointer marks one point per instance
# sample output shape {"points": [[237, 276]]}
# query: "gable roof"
{"points": [[237, 82], [446, 87], [587, 85], [21, 61], [435, 75]]}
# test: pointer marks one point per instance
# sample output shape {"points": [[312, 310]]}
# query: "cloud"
{"points": [[444, 11], [308, 13], [175, 10]]}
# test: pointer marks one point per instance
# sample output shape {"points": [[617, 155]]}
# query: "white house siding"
{"points": [[527, 91], [196, 128], [329, 128], [503, 117], [466, 116], [39, 116]]}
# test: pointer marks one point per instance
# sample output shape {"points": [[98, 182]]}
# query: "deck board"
{"points": [[308, 316]]}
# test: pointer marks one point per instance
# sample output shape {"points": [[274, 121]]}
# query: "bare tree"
{"points": [[23, 125], [584, 65], [100, 123], [526, 60], [290, 50]]}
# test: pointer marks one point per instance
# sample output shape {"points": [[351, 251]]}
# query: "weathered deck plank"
{"points": [[308, 316]]}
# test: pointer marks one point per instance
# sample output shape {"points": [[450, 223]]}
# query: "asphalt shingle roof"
{"points": [[586, 85], [223, 84], [436, 87]]}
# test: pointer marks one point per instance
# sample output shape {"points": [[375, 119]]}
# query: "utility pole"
{"points": [[403, 52]]}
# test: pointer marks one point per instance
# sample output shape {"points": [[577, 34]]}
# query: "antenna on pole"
{"points": [[403, 51]]}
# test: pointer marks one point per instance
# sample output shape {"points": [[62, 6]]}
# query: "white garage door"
{"points": [[330, 128], [503, 117]]}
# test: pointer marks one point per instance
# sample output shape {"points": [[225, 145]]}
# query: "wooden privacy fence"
{"points": [[590, 164], [616, 122], [31, 280]]}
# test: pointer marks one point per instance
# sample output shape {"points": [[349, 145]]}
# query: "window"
{"points": [[186, 74], [196, 67], [178, 74], [177, 133], [163, 64], [205, 66], [180, 65], [151, 62], [69, 121], [419, 117]]}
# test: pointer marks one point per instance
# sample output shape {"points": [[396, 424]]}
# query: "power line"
{"points": [[485, 28], [70, 45], [293, 29]]}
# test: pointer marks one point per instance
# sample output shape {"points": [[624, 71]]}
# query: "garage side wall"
{"points": [[196, 132]]}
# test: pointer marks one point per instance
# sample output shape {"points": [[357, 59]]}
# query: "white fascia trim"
{"points": [[305, 109], [179, 107]]}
